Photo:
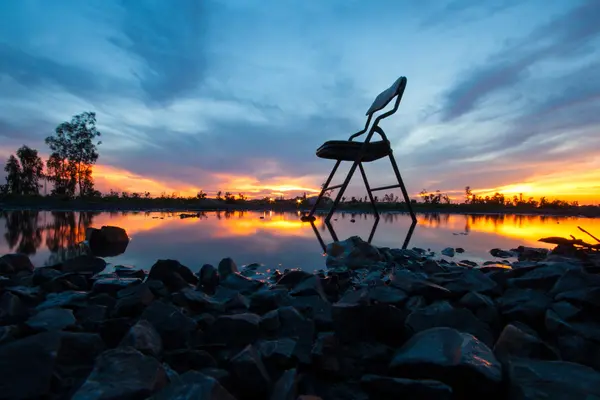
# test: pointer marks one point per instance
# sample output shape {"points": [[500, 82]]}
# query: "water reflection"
{"points": [[279, 240]]}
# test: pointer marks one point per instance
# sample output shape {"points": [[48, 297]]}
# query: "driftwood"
{"points": [[573, 241], [586, 232]]}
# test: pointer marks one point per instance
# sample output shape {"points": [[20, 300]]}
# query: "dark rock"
{"points": [[70, 299], [265, 300], [197, 301], [541, 278], [231, 299], [270, 321], [325, 353], [204, 321], [174, 275], [144, 338], [517, 342], [414, 284], [384, 387], [460, 250], [185, 360], [468, 263], [158, 288], [29, 295], [209, 277], [174, 327], [19, 358], [316, 309], [295, 325], [466, 280], [481, 306], [292, 278], [194, 385], [574, 279], [501, 253], [455, 358], [442, 314], [66, 282], [227, 267], [84, 265], [113, 285], [448, 251], [387, 295], [432, 267], [585, 297], [9, 333], [310, 286], [15, 263], [250, 373], [104, 300], [235, 330], [535, 379], [566, 310], [531, 253], [12, 309], [124, 271], [524, 305], [44, 274], [220, 375], [353, 253], [108, 241], [53, 319], [286, 387], [278, 354], [133, 300], [114, 330], [240, 283], [123, 373]]}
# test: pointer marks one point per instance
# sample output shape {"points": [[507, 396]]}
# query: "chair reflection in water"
{"points": [[364, 152]]}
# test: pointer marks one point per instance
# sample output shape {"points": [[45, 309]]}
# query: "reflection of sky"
{"points": [[282, 240]]}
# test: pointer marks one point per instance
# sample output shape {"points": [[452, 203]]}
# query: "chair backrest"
{"points": [[397, 89]]}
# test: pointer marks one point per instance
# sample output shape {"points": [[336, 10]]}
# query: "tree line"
{"points": [[73, 153]]}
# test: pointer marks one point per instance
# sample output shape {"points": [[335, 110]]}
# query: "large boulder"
{"points": [[15, 263], [353, 253], [84, 264], [174, 275], [108, 241], [194, 385]]}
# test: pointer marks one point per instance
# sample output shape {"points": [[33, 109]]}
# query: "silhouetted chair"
{"points": [[367, 151]]}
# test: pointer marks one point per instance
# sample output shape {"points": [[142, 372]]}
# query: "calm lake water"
{"points": [[276, 240]]}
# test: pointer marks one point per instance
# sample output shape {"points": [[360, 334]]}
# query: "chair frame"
{"points": [[396, 90]]}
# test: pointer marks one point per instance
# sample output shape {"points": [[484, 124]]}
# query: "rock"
{"points": [[186, 360], [69, 299], [468, 263], [455, 358], [123, 373], [44, 274], [442, 314], [310, 286], [194, 385], [531, 253], [270, 321], [113, 285], [265, 300], [286, 387], [174, 327], [541, 278], [524, 305], [124, 271], [481, 306], [220, 375], [466, 280], [15, 263], [108, 241], [12, 309], [53, 319], [250, 373], [414, 284], [241, 283], [352, 253], [536, 379], [316, 309], [197, 301], [227, 267], [230, 299], [517, 342], [133, 300], [144, 338], [209, 277], [325, 353], [448, 251], [387, 295], [84, 265], [432, 267], [586, 297], [501, 253], [295, 325], [174, 275], [278, 354], [460, 250], [114, 330], [235, 330], [292, 278], [384, 387], [580, 349], [574, 279]]}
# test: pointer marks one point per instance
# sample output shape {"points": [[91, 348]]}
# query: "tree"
{"points": [[73, 154], [201, 195], [13, 177], [32, 170]]}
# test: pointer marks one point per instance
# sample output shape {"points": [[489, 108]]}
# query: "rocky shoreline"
{"points": [[378, 323]]}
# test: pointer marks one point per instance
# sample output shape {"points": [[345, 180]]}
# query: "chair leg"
{"points": [[341, 191], [324, 189], [404, 192], [364, 176]]}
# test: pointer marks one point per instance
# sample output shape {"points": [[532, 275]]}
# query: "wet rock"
{"points": [[514, 341], [53, 319], [9, 333], [235, 330], [250, 373], [194, 385], [186, 360], [574, 279], [227, 267], [144, 338], [414, 285], [442, 314], [481, 306], [524, 305], [44, 274], [270, 321], [123, 373], [455, 358], [295, 325], [501, 253], [241, 283], [108, 241], [84, 264], [352, 253], [174, 327], [387, 295], [174, 275], [278, 354], [114, 330], [69, 299], [231, 300], [541, 278], [566, 310], [448, 251], [286, 387], [125, 271], [265, 300], [468, 263], [580, 349], [316, 309], [209, 277], [310, 286], [133, 300], [535, 379], [15, 263], [433, 267], [66, 282], [587, 297], [113, 285], [197, 301], [325, 353], [531, 253], [384, 387], [220, 375], [293, 277], [466, 280], [12, 309]]}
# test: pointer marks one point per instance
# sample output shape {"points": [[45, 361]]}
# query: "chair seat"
{"points": [[348, 151]]}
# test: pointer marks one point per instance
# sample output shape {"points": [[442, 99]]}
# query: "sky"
{"points": [[236, 95]]}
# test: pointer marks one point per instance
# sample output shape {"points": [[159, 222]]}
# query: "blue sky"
{"points": [[237, 95]]}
